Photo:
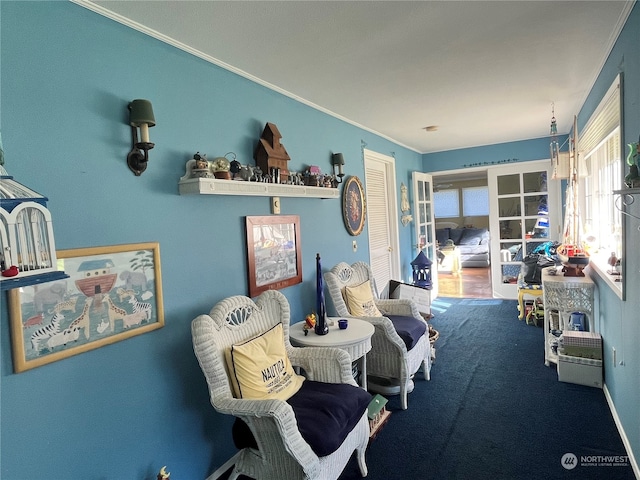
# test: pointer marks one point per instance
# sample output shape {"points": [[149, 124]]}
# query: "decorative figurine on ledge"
{"points": [[201, 166], [163, 474], [614, 261], [632, 180], [221, 167], [234, 167], [404, 205], [312, 176], [270, 153], [309, 323]]}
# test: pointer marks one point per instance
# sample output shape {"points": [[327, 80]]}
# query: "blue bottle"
{"points": [[321, 328]]}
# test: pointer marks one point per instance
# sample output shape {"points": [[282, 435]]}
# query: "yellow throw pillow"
{"points": [[360, 302], [260, 368]]}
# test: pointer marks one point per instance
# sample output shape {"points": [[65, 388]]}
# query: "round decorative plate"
{"points": [[354, 206]]}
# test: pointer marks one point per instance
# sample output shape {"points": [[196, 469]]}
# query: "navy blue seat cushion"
{"points": [[410, 329], [326, 413]]}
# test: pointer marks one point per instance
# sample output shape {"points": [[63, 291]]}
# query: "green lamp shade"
{"points": [[141, 112], [338, 159]]}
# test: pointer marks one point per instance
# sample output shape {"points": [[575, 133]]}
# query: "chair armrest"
{"points": [[385, 333], [400, 306], [275, 421], [323, 364], [244, 407]]}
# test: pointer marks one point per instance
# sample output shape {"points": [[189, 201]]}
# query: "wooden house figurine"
{"points": [[270, 155], [377, 414]]}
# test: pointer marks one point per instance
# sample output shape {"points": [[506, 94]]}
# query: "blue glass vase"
{"points": [[321, 327]]}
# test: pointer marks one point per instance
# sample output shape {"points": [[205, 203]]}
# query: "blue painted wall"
{"points": [[619, 321], [488, 155], [124, 410]]}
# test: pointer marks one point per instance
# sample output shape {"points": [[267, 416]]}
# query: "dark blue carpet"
{"points": [[492, 410]]}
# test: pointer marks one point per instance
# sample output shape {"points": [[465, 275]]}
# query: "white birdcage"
{"points": [[27, 246]]}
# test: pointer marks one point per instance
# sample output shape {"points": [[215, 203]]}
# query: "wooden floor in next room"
{"points": [[469, 283]]}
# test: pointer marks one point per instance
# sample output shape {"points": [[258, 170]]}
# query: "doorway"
{"points": [[473, 277]]}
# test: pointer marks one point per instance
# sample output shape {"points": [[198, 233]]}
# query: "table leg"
{"points": [[520, 304], [363, 371]]}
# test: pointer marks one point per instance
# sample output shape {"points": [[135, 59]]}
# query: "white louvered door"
{"points": [[382, 224]]}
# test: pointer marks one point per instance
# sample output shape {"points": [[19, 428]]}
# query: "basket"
{"points": [[433, 335]]}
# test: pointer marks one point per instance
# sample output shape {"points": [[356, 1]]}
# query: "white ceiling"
{"points": [[483, 72]]}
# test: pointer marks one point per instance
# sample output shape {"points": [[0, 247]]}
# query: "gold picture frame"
{"points": [[354, 206], [274, 257], [112, 293]]}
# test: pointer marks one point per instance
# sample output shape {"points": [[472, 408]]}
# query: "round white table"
{"points": [[355, 340]]}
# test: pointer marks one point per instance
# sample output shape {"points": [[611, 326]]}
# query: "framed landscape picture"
{"points": [[273, 252], [112, 293]]}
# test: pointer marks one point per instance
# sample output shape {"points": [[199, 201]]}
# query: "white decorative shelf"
{"points": [[214, 186], [189, 185]]}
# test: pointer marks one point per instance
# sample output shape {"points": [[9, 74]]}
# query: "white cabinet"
{"points": [[563, 296]]}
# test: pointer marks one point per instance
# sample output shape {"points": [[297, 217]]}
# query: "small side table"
{"points": [[355, 340]]}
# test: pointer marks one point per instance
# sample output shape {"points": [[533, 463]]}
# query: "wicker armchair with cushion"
{"points": [[287, 426], [400, 344]]}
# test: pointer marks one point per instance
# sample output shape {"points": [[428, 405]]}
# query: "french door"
{"points": [[525, 213], [382, 222], [425, 230]]}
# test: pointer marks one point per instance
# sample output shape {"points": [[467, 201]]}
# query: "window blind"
{"points": [[605, 119]]}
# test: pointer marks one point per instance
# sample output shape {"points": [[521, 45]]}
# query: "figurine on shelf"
{"points": [[200, 167], [632, 180], [312, 176], [270, 152], [235, 167], [221, 167], [245, 173], [295, 178], [201, 161], [256, 175], [404, 202], [614, 261], [163, 474]]}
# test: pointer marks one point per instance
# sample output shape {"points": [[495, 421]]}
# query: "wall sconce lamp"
{"points": [[140, 116], [337, 160]]}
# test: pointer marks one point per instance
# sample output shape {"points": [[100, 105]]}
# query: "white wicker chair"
{"points": [[282, 453], [389, 357]]}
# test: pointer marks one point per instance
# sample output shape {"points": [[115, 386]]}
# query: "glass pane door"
{"points": [[425, 222], [520, 219]]}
